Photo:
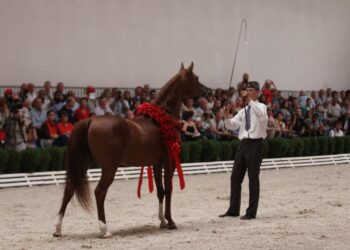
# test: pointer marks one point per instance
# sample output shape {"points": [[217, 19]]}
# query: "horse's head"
{"points": [[193, 86]]}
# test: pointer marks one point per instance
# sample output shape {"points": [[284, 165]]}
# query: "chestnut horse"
{"points": [[113, 142]]}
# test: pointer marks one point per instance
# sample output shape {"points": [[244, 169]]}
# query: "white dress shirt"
{"points": [[258, 121]]}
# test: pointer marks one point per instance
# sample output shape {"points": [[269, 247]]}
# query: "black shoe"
{"points": [[228, 214], [247, 217]]}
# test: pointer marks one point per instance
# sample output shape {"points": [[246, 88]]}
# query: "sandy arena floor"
{"points": [[303, 208]]}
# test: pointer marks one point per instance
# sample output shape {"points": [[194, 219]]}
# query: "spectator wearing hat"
{"points": [[252, 123], [91, 97]]}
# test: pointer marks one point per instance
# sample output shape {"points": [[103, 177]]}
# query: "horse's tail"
{"points": [[78, 160]]}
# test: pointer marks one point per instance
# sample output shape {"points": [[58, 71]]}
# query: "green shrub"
{"points": [[314, 146], [307, 146], [225, 151], [3, 160], [45, 158], [338, 145], [298, 147], [323, 145], [266, 148], [29, 160], [209, 150], [13, 162], [234, 148], [291, 148], [185, 152], [346, 144], [331, 145], [278, 147], [195, 151], [56, 162]]}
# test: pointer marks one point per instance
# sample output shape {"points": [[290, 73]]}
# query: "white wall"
{"points": [[297, 43]]}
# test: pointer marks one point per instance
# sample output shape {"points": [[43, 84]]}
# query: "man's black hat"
{"points": [[253, 85]]}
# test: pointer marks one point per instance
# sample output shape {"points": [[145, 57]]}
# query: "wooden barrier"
{"points": [[58, 177]]}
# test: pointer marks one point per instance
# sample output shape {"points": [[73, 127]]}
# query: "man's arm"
{"points": [[259, 110], [233, 123]]}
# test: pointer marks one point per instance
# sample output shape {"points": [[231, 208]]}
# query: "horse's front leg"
{"points": [[168, 179]]}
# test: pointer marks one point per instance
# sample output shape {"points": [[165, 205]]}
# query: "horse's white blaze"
{"points": [[104, 230], [161, 215], [58, 225]]}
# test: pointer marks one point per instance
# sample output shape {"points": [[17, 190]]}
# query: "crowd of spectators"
{"points": [[39, 117]]}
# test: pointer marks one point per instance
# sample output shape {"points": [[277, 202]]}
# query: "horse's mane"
{"points": [[168, 90]]}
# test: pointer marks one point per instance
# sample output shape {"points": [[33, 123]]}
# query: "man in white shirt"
{"points": [[252, 123]]}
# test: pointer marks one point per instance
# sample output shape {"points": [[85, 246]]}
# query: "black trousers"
{"points": [[249, 156]]}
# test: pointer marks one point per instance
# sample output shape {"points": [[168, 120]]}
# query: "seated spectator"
{"points": [[345, 120], [91, 97], [271, 126], [45, 99], [71, 94], [68, 108], [221, 133], [37, 114], [23, 91], [60, 88], [32, 137], [321, 113], [313, 99], [285, 109], [298, 123], [321, 98], [217, 106], [207, 128], [153, 95], [308, 107], [336, 132], [64, 127], [210, 99], [103, 107], [31, 95], [333, 111], [83, 111], [58, 103], [49, 133], [187, 105], [4, 114], [189, 128], [120, 106], [127, 97], [280, 126], [302, 98]]}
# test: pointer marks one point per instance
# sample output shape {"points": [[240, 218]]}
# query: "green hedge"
{"points": [[52, 159]]}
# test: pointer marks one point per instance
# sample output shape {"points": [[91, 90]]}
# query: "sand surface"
{"points": [[303, 208]]}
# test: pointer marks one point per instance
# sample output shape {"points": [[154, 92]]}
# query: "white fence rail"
{"points": [[58, 177]]}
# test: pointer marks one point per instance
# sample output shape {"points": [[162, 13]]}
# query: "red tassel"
{"points": [[180, 173], [150, 178], [140, 183]]}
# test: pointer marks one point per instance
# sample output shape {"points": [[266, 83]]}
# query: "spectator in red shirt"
{"points": [[267, 91], [83, 111], [64, 127]]}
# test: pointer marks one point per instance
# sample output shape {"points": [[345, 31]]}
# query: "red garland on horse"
{"points": [[169, 129]]}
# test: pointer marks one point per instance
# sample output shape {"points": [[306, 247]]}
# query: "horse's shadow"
{"points": [[137, 231]]}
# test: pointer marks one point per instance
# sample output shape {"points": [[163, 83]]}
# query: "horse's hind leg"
{"points": [[168, 178], [100, 193], [68, 194], [157, 170]]}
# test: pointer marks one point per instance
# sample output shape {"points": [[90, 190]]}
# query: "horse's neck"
{"points": [[170, 97]]}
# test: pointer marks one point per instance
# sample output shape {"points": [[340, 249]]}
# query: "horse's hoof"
{"points": [[163, 224], [172, 226], [107, 235], [56, 234]]}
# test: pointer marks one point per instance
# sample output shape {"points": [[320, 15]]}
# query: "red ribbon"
{"points": [[150, 180]]}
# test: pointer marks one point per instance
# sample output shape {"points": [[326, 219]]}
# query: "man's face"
{"points": [[253, 93]]}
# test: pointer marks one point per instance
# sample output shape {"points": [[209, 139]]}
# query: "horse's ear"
{"points": [[182, 66], [191, 67]]}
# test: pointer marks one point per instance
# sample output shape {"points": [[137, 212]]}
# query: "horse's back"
{"points": [[116, 141]]}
